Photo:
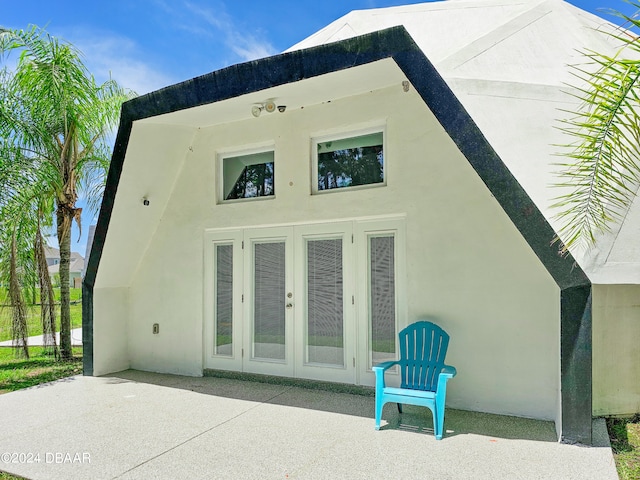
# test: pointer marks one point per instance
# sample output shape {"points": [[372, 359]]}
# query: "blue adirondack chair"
{"points": [[424, 375]]}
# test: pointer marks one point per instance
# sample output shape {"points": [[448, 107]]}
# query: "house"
{"points": [[292, 214], [76, 266]]}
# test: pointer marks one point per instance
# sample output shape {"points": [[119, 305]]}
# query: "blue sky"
{"points": [[149, 44]]}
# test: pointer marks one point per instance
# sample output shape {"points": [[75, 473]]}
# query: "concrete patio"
{"points": [[143, 425]]}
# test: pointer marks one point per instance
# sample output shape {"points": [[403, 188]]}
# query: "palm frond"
{"points": [[602, 172]]}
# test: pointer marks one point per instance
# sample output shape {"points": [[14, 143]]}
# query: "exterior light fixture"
{"points": [[269, 107], [256, 110]]}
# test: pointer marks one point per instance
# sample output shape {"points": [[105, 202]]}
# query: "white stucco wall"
{"points": [[110, 332], [616, 356], [467, 265]]}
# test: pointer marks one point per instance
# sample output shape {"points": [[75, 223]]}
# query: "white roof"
{"points": [[506, 61]]}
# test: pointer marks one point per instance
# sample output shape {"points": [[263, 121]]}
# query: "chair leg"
{"points": [[379, 405], [438, 421], [399, 407]]}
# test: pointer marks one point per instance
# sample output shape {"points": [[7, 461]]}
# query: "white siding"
{"points": [[110, 330], [616, 356]]}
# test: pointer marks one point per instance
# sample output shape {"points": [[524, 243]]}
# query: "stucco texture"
{"points": [[467, 266]]}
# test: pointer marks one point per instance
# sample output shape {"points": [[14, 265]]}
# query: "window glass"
{"points": [[269, 310], [325, 291], [248, 176], [350, 162], [382, 298], [224, 300]]}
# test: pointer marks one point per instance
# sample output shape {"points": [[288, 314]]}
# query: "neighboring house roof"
{"points": [[507, 63], [51, 252], [75, 266], [87, 252]]}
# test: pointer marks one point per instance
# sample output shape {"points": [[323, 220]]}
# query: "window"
{"points": [[248, 176], [350, 162], [325, 301], [224, 299], [382, 298]]}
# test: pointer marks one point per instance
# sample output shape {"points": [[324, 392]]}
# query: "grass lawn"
{"points": [[17, 373], [34, 325], [8, 476], [625, 442]]}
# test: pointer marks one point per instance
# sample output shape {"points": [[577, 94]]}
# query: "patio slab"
{"points": [[144, 425]]}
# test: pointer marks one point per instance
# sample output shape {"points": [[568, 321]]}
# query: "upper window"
{"points": [[248, 176], [350, 162]]}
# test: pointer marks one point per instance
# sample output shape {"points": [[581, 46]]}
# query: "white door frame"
{"points": [[363, 231], [357, 335], [344, 373], [252, 363], [213, 359]]}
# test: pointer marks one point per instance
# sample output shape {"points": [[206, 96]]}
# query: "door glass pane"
{"points": [[382, 301], [325, 302], [224, 300], [269, 301]]}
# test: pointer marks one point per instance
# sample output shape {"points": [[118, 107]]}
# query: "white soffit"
{"points": [[294, 95]]}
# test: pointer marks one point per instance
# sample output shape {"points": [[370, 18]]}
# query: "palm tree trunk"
{"points": [[18, 308], [64, 217], [47, 300]]}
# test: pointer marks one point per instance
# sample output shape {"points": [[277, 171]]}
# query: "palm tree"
{"points": [[57, 119], [602, 173]]}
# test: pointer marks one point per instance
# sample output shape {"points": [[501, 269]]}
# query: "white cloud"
{"points": [[109, 55], [247, 46]]}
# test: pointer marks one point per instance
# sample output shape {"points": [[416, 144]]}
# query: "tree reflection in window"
{"points": [[351, 162], [249, 176]]}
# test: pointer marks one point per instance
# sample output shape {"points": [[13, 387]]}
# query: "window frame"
{"points": [[344, 135], [223, 155]]}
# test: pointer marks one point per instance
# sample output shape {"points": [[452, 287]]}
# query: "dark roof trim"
{"points": [[294, 66]]}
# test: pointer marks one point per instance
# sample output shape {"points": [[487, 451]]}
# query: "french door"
{"points": [[279, 302], [284, 300], [325, 329]]}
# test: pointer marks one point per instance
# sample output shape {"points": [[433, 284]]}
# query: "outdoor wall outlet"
{"points": [[156, 328]]}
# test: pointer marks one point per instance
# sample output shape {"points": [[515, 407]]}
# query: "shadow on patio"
{"points": [[136, 424], [327, 397]]}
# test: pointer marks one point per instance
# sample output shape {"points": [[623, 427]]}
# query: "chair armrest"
{"points": [[449, 371], [384, 366], [379, 370]]}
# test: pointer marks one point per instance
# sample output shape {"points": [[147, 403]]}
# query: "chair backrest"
{"points": [[423, 347]]}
